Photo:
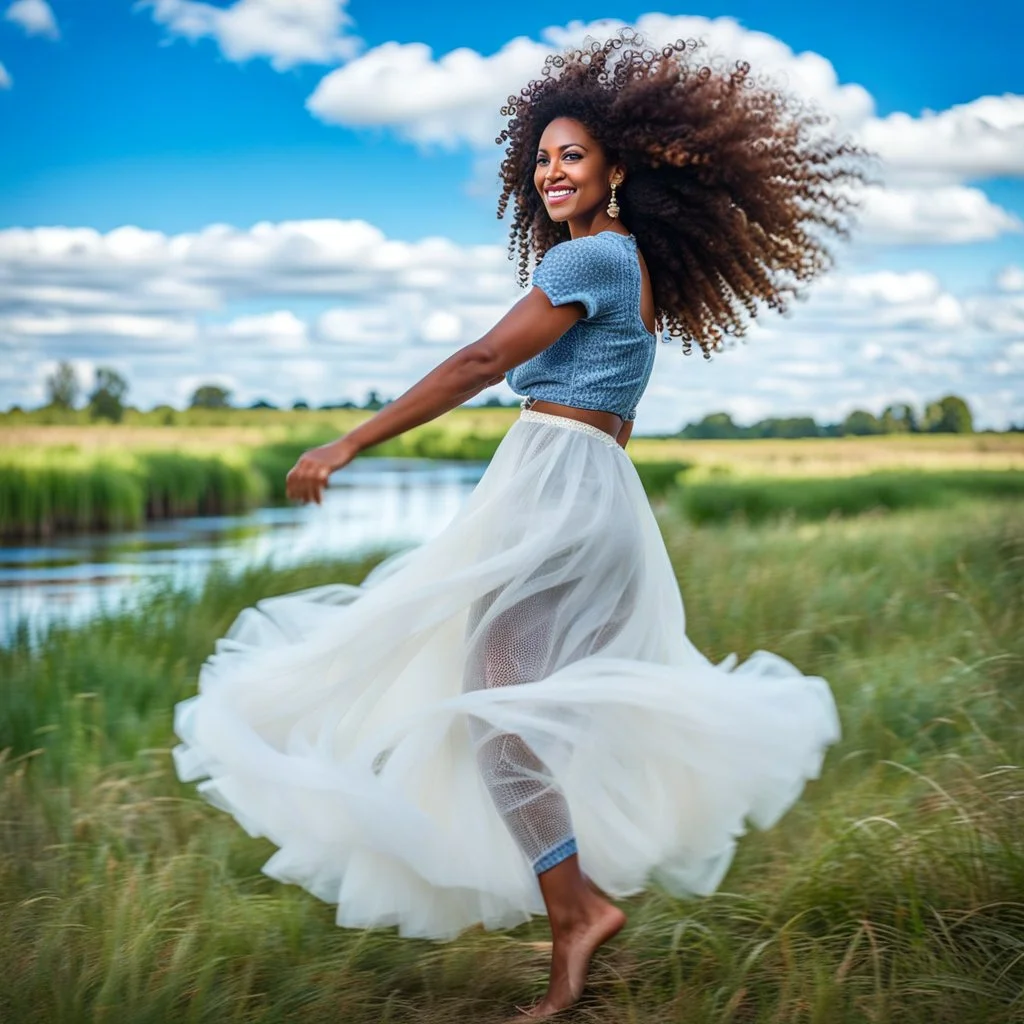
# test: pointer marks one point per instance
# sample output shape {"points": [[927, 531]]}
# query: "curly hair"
{"points": [[732, 188]]}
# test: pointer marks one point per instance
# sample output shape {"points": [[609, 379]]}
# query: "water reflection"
{"points": [[371, 505]]}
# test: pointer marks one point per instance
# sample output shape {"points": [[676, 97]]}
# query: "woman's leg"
{"points": [[581, 920], [518, 645], [514, 646]]}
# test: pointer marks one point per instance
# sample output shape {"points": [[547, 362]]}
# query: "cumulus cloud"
{"points": [[1001, 314], [923, 216], [1011, 279], [456, 98], [149, 271], [353, 310], [139, 329], [980, 139], [35, 17], [286, 34], [280, 331]]}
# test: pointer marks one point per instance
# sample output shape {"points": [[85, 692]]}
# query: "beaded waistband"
{"points": [[531, 416]]}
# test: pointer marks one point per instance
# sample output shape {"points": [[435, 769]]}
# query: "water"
{"points": [[375, 504]]}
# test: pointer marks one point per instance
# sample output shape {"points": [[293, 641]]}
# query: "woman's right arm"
{"points": [[529, 327]]}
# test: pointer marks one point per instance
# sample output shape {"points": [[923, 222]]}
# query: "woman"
{"points": [[510, 718]]}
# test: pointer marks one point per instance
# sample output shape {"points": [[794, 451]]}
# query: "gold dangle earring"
{"points": [[613, 206]]}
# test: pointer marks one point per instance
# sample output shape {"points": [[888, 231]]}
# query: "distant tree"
{"points": [[949, 415], [373, 401], [166, 414], [860, 422], [793, 426], [716, 425], [494, 402], [210, 396], [62, 386], [300, 403], [899, 419], [262, 403], [106, 401]]}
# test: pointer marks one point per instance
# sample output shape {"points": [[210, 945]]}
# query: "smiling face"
{"points": [[573, 177]]}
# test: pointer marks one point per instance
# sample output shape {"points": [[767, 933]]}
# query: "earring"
{"points": [[613, 206]]}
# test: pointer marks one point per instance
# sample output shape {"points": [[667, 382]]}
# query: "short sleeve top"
{"points": [[604, 361]]}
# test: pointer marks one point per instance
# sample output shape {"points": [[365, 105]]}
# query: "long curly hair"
{"points": [[732, 187]]}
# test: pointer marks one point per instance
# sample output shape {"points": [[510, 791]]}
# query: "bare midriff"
{"points": [[606, 421]]}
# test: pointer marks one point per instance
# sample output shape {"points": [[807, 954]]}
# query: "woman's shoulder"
{"points": [[604, 243], [588, 255]]}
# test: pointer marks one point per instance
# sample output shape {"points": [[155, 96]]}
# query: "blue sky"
{"points": [[113, 118]]}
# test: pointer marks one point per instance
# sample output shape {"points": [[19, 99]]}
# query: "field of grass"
{"points": [[892, 893], [79, 477], [713, 499]]}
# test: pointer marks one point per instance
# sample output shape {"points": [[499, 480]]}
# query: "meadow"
{"points": [[892, 892], [57, 478]]}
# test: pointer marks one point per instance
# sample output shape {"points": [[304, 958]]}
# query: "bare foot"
{"points": [[573, 946]]}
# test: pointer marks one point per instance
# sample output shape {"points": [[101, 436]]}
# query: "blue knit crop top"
{"points": [[603, 361]]}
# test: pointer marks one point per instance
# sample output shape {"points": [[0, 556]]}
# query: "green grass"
{"points": [[717, 499], [892, 892], [48, 491]]}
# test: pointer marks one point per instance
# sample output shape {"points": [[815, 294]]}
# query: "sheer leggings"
{"points": [[522, 643]]}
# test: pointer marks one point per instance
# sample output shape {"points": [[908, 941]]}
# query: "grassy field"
{"points": [[67, 477], [893, 893]]}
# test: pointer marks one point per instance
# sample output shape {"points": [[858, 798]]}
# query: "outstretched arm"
{"points": [[529, 327]]}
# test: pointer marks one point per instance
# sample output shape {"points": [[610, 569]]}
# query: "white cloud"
{"points": [[139, 329], [945, 214], [1011, 279], [456, 98], [451, 100], [980, 139], [35, 17], [355, 326], [5, 79], [1003, 314], [280, 331], [152, 271], [354, 309], [285, 32]]}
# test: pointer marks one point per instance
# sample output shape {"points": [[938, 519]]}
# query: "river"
{"points": [[373, 505]]}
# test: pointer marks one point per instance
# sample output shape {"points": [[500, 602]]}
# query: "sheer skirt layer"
{"points": [[416, 746]]}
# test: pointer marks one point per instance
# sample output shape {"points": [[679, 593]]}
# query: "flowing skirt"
{"points": [[418, 745]]}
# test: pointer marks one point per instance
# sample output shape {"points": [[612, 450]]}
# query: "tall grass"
{"points": [[716, 499], [892, 893], [43, 492]]}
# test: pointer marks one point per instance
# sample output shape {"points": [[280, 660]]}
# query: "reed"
{"points": [[49, 491], [891, 893], [716, 500]]}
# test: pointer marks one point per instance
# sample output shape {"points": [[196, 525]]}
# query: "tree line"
{"points": [[948, 415]]}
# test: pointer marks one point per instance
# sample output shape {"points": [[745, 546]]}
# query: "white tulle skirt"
{"points": [[413, 746]]}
